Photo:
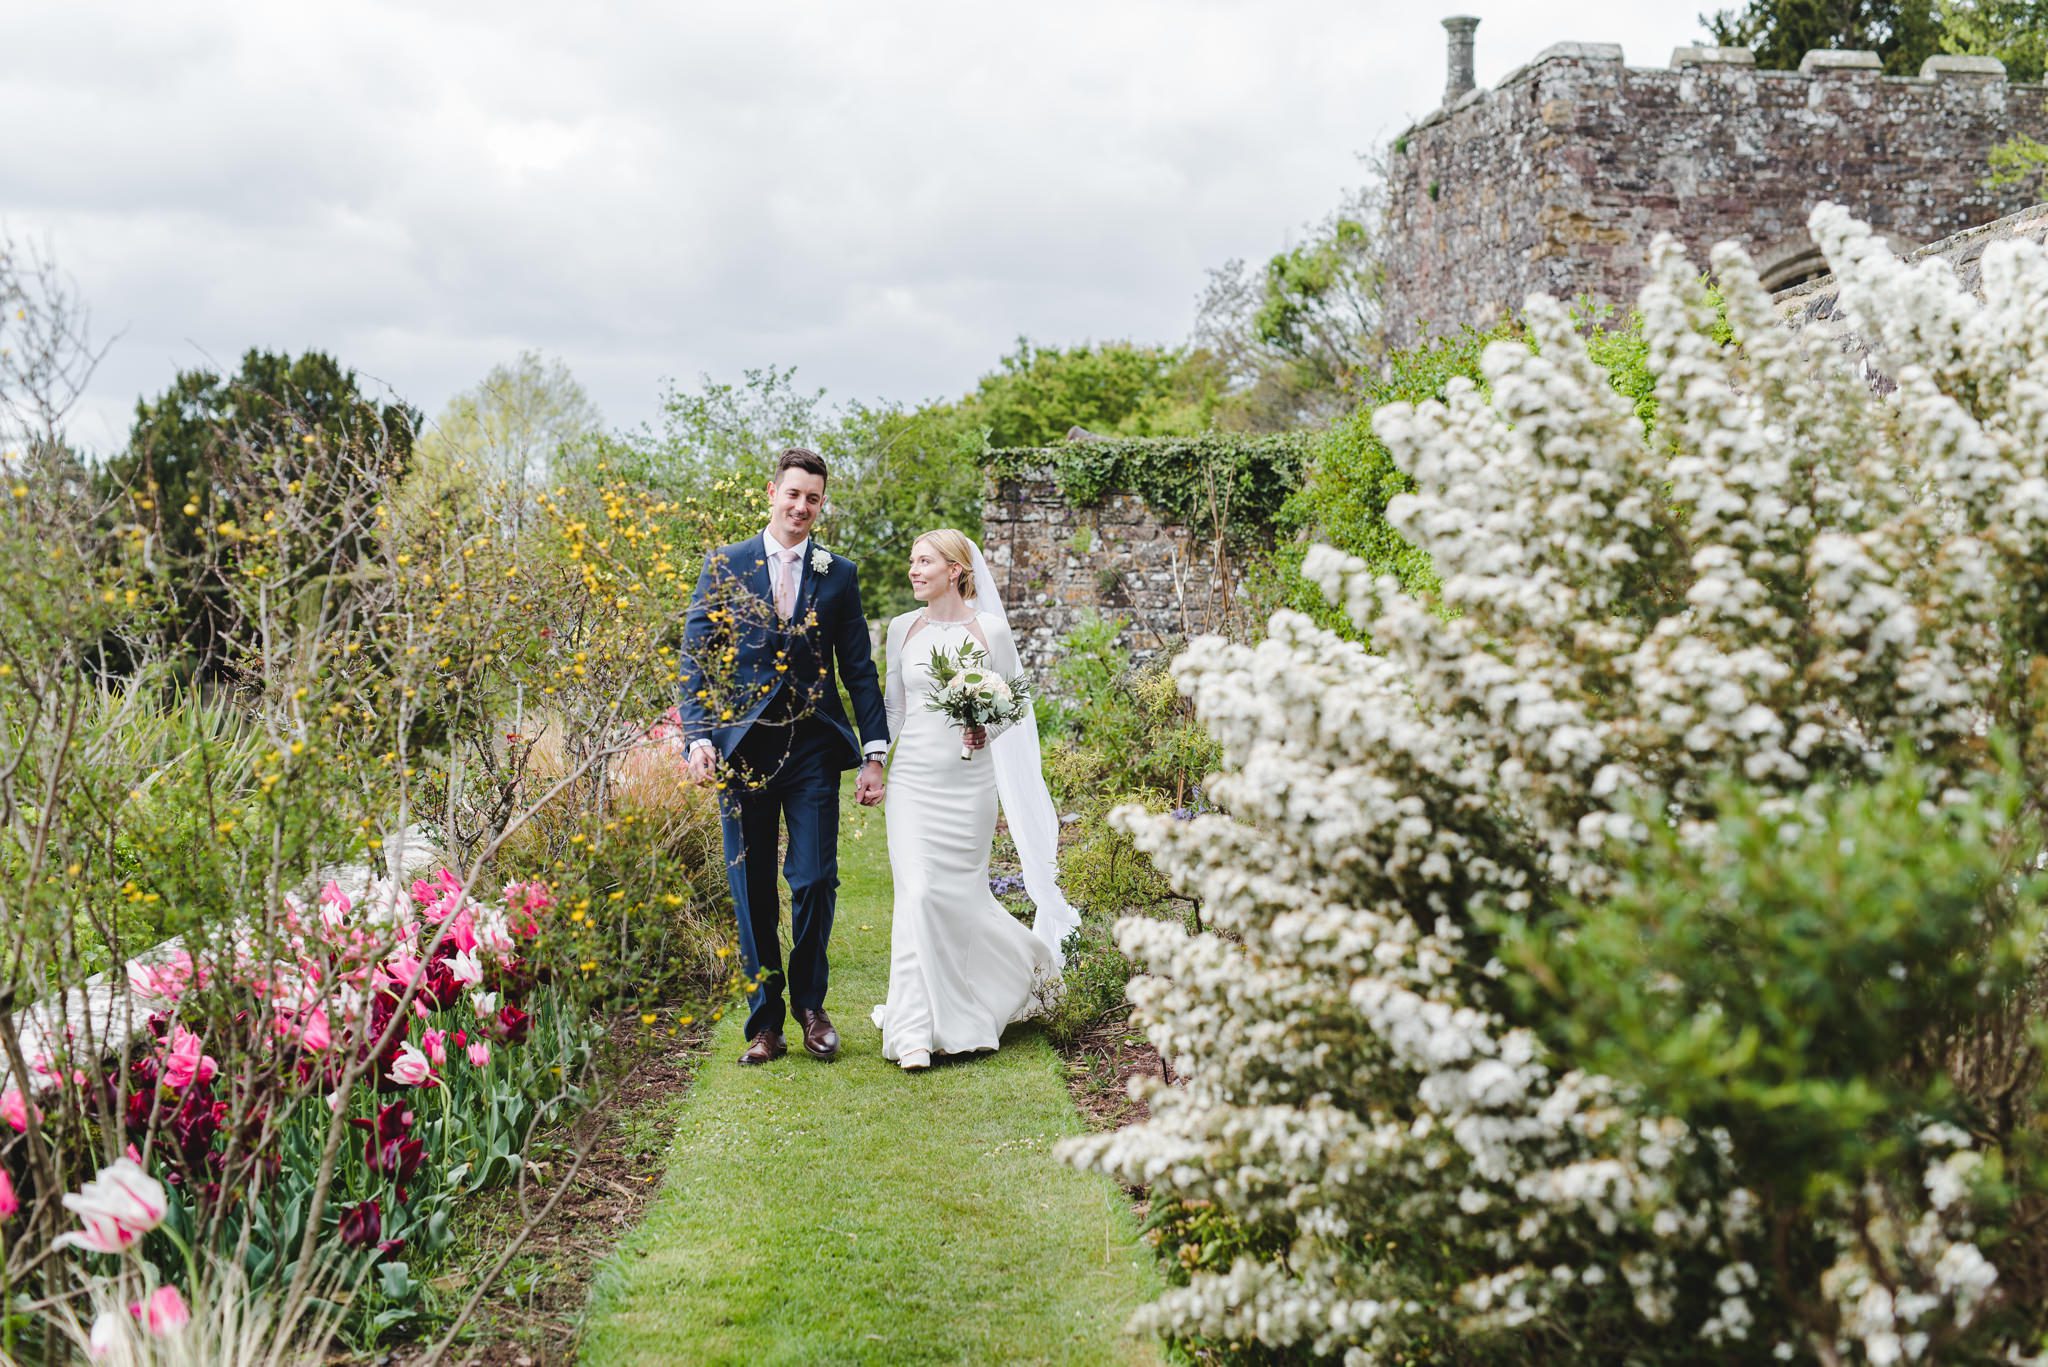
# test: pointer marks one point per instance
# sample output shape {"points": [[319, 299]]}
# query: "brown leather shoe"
{"points": [[765, 1047], [819, 1037]]}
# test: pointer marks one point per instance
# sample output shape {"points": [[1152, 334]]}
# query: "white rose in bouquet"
{"points": [[969, 694]]}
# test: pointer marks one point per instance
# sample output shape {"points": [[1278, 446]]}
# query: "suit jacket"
{"points": [[733, 610]]}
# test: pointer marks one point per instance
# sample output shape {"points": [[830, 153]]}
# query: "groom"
{"points": [[773, 623]]}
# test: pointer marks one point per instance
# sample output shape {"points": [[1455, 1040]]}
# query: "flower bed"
{"points": [[416, 1042]]}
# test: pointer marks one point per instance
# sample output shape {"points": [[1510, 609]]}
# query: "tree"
{"points": [[1903, 33], [895, 472], [514, 423], [212, 459], [1297, 337], [1036, 395], [2013, 31]]}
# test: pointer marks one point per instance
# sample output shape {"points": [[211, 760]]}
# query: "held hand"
{"points": [[868, 786], [974, 737], [703, 762]]}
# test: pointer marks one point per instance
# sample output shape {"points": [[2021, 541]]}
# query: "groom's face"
{"points": [[795, 500]]}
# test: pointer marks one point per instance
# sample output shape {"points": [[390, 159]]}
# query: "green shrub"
{"points": [[1093, 982], [1102, 872], [1801, 986], [1117, 727]]}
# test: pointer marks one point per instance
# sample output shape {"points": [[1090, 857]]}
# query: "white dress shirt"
{"points": [[773, 546]]}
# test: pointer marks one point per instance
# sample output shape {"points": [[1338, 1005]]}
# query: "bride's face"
{"points": [[930, 575]]}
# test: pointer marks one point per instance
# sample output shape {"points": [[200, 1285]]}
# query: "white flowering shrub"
{"points": [[1645, 650]]}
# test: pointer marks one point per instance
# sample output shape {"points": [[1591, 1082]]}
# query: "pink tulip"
{"points": [[402, 969], [411, 1069], [14, 1110], [164, 1313], [124, 1204], [436, 1044], [311, 1029], [186, 1063], [461, 930], [9, 1202], [334, 904], [480, 1053], [164, 982], [430, 894]]}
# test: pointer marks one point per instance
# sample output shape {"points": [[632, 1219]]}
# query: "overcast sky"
{"points": [[883, 194]]}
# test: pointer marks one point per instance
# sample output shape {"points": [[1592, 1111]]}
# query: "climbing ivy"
{"points": [[1242, 480]]}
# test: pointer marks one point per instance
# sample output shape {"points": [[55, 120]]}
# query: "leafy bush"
{"points": [[1115, 727], [1092, 979], [1638, 960], [1798, 985], [208, 460]]}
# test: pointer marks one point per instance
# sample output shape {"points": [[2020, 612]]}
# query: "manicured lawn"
{"points": [[847, 1212]]}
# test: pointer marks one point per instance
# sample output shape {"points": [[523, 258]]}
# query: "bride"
{"points": [[960, 966]]}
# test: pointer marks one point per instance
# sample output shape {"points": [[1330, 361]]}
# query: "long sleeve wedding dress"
{"points": [[961, 968]]}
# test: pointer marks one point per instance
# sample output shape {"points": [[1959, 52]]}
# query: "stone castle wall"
{"points": [[1056, 562], [1556, 180]]}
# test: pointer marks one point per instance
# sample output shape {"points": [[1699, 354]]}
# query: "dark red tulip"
{"points": [[512, 1024], [362, 1225]]}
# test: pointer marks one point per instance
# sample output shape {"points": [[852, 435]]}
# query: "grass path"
{"points": [[850, 1213]]}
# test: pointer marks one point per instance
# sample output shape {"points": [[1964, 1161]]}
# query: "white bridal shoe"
{"points": [[916, 1060]]}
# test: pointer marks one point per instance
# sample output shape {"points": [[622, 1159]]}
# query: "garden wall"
{"points": [[1556, 180], [1056, 560]]}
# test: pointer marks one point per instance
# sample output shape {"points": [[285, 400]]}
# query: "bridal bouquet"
{"points": [[969, 693]]}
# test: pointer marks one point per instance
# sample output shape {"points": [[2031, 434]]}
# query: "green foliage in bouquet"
{"points": [[967, 692]]}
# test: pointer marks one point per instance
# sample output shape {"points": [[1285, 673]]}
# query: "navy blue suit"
{"points": [[771, 707]]}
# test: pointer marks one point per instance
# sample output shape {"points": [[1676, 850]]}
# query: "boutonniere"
{"points": [[821, 560]]}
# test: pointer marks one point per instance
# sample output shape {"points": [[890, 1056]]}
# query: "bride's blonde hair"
{"points": [[955, 549]]}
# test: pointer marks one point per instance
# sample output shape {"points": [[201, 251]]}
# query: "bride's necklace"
{"points": [[947, 621]]}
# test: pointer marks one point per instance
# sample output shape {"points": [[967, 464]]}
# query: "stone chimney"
{"points": [[1460, 28]]}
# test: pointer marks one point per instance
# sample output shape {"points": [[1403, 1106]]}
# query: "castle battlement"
{"points": [[1557, 179]]}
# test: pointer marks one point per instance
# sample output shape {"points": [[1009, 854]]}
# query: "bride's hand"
{"points": [[869, 786], [974, 737]]}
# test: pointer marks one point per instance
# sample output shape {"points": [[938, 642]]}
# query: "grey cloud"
{"points": [[884, 196]]}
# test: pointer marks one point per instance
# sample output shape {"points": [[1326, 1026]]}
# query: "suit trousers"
{"points": [[785, 775]]}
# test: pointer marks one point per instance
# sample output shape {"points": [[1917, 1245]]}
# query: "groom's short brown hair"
{"points": [[798, 458]]}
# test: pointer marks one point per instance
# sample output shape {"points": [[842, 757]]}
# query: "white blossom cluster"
{"points": [[1788, 578]]}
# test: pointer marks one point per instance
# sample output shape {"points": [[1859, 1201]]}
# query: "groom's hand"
{"points": [[868, 785]]}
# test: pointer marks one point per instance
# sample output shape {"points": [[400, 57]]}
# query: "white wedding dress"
{"points": [[961, 968]]}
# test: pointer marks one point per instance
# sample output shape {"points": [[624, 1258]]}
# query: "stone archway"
{"points": [[1791, 263]]}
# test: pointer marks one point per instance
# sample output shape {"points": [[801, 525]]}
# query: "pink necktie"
{"points": [[785, 586]]}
